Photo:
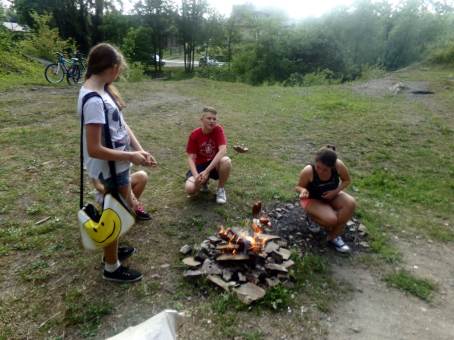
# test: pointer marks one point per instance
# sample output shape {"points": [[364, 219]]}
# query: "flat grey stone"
{"points": [[219, 282], [285, 253], [287, 264], [191, 262], [276, 267], [271, 246], [249, 292], [190, 274]]}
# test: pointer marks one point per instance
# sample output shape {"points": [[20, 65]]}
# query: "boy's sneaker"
{"points": [[221, 197], [311, 225], [204, 187], [123, 275], [123, 253], [141, 214], [340, 245]]}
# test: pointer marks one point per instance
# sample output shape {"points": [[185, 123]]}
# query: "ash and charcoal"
{"points": [[289, 221]]}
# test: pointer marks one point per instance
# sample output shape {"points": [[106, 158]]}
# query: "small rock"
{"points": [[364, 244], [289, 206], [210, 267], [241, 277], [356, 329], [186, 249], [362, 229], [165, 266], [350, 223], [227, 275], [272, 281], [214, 239], [278, 216]]}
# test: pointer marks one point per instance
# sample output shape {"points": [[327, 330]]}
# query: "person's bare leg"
{"points": [[324, 215], [139, 180], [344, 205], [111, 252], [191, 186], [224, 167]]}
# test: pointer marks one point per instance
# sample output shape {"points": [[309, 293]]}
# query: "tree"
{"points": [[158, 16], [78, 19], [190, 28], [137, 44]]}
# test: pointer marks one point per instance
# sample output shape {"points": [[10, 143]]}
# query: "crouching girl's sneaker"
{"points": [[340, 246]]}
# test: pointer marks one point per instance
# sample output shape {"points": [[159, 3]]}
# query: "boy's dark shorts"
{"points": [[123, 179], [200, 167]]}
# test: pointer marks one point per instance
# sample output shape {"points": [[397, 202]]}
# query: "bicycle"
{"points": [[55, 72]]}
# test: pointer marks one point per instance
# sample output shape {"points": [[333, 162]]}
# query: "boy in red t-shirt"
{"points": [[207, 150]]}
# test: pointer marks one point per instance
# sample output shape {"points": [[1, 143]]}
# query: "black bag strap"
{"points": [[107, 141]]}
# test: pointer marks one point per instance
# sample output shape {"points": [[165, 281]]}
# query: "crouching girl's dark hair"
{"points": [[327, 155]]}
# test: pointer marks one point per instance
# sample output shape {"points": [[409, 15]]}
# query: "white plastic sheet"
{"points": [[162, 326]]}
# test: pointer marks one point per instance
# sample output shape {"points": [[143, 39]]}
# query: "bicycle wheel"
{"points": [[73, 75], [54, 73]]}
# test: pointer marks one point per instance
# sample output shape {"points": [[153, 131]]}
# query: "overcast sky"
{"points": [[293, 8]]}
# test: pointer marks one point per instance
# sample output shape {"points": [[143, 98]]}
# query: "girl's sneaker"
{"points": [[311, 225], [340, 245], [123, 275], [141, 214]]}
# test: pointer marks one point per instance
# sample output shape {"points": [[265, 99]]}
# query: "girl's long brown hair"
{"points": [[102, 57]]}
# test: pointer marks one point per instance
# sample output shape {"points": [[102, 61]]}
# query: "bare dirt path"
{"points": [[375, 311]]}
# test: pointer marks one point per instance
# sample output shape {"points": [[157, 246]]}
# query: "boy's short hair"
{"points": [[209, 109]]}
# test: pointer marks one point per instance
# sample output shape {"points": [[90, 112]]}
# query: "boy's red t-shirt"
{"points": [[205, 146]]}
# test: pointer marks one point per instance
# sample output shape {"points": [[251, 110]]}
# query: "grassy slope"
{"points": [[17, 70], [399, 152]]}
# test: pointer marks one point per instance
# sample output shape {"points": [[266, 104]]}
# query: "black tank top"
{"points": [[318, 187]]}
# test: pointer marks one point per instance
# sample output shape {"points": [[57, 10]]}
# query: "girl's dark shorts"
{"points": [[200, 167], [123, 179]]}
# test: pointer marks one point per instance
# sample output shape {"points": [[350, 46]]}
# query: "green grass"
{"points": [[421, 288], [399, 153]]}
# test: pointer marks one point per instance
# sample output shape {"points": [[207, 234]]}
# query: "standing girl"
{"points": [[105, 64], [322, 197]]}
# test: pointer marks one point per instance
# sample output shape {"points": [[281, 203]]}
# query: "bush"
{"points": [[443, 55], [135, 72], [295, 79], [323, 77], [221, 73], [45, 41], [371, 72]]}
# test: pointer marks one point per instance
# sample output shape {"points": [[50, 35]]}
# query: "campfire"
{"points": [[245, 261]]}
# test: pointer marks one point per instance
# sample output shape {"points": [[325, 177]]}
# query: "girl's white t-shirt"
{"points": [[94, 114]]}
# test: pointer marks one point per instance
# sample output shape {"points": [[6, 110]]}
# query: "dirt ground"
{"points": [[375, 311]]}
